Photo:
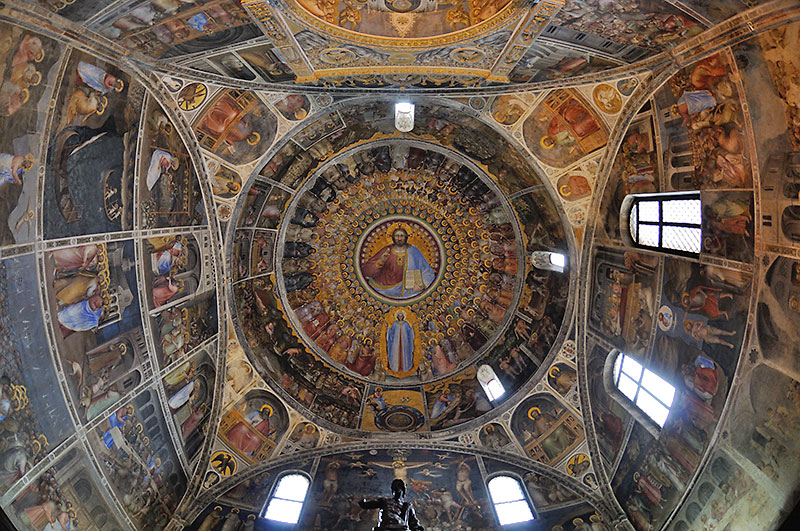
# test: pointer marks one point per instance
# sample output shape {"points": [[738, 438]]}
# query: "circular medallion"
{"points": [[192, 96], [224, 463], [607, 98], [399, 259]]}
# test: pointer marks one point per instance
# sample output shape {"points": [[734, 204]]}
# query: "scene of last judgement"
{"points": [[399, 265]]}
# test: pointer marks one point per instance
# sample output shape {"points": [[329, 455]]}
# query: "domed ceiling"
{"points": [[221, 262]]}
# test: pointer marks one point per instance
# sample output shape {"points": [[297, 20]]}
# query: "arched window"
{"points": [[650, 393], [287, 499], [549, 261], [490, 382], [668, 222], [509, 500]]}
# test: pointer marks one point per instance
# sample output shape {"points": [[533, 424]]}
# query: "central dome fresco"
{"points": [[401, 273]]}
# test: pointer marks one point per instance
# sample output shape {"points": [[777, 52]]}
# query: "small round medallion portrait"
{"points": [[399, 259]]}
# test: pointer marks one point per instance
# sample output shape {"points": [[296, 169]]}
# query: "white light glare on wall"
{"points": [[404, 116]]}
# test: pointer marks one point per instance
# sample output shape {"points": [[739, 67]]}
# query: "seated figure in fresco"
{"points": [[398, 270], [396, 513]]}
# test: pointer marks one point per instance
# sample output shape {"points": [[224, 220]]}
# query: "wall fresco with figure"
{"points": [[164, 29], [546, 428], [69, 495], [254, 425], [563, 128], [189, 390], [699, 334], [35, 418], [443, 487], [134, 448], [650, 25], [693, 135], [28, 71], [94, 130], [778, 315], [92, 293], [236, 126], [179, 329], [623, 298], [169, 194], [173, 269], [725, 494], [769, 68], [610, 419]]}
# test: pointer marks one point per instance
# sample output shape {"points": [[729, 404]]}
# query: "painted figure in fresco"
{"points": [[224, 119], [164, 288], [242, 436], [580, 120], [165, 258], [160, 164], [82, 316], [98, 79], [12, 167], [396, 513], [706, 300], [398, 270], [442, 403], [331, 482], [558, 440], [464, 484], [183, 396], [400, 344]]}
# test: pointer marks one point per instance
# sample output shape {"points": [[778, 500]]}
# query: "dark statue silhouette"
{"points": [[396, 513]]}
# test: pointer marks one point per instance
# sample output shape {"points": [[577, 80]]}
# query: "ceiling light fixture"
{"points": [[404, 116]]}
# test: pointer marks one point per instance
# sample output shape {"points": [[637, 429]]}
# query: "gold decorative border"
{"points": [[299, 15], [397, 69]]}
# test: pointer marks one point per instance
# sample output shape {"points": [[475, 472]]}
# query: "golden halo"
{"points": [[534, 412], [268, 408]]}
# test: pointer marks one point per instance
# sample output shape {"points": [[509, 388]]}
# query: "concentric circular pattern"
{"points": [[402, 275]]}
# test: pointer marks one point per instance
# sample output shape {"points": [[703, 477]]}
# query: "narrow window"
{"points": [[509, 500], [549, 261], [644, 388], [665, 222], [490, 382], [287, 499]]}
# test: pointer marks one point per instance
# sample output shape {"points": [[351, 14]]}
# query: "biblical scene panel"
{"points": [[253, 427], [546, 429], [189, 390], [778, 315], [174, 269], [35, 418], [442, 486], [769, 68], [610, 418], [624, 297], [699, 333], [651, 25], [563, 128], [170, 28], [89, 178], [181, 328], [28, 72], [169, 194], [92, 294], [236, 126], [725, 494], [69, 495], [134, 448]]}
